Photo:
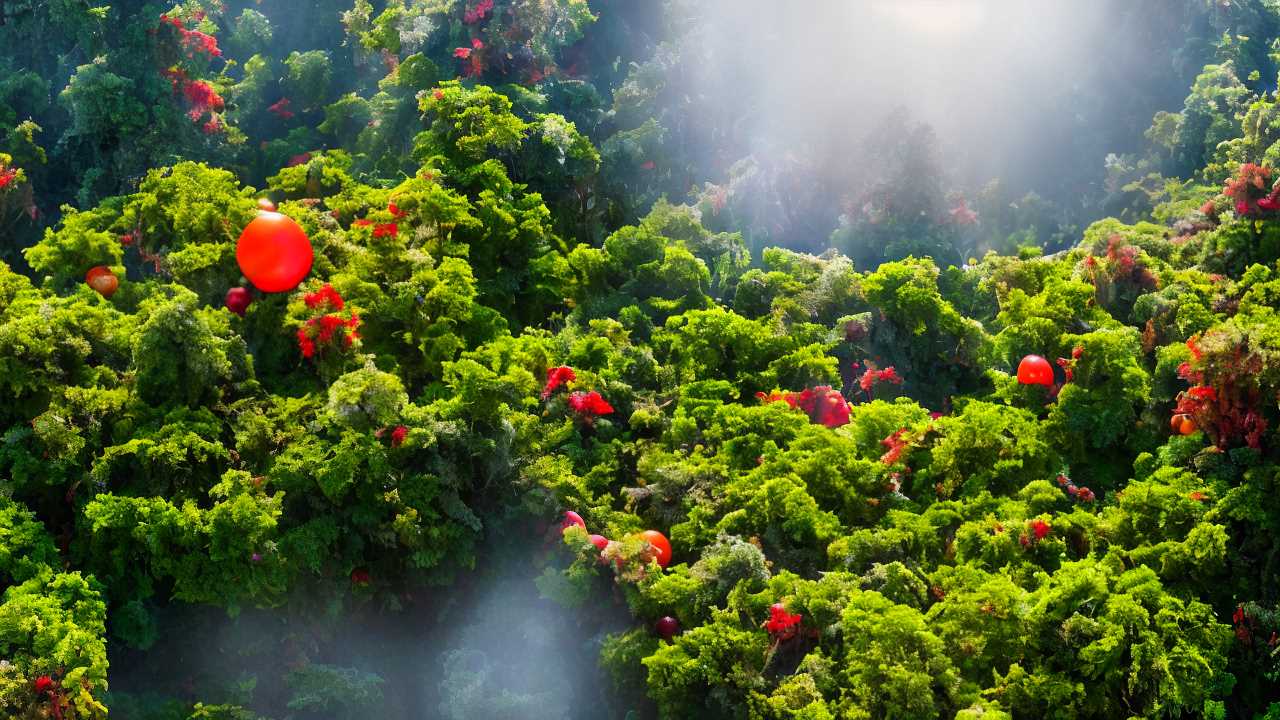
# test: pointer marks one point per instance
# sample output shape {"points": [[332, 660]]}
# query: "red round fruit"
{"points": [[601, 542], [572, 518], [1188, 425], [265, 204], [1035, 370], [274, 252], [238, 300], [102, 280], [667, 627], [660, 544]]}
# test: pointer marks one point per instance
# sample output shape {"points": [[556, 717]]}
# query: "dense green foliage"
{"points": [[839, 437]]}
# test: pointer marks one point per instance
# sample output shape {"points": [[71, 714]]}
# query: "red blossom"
{"points": [[362, 222], [962, 215], [395, 211], [43, 685], [1068, 368], [383, 230], [1207, 394], [300, 159], [1039, 528], [556, 377], [193, 41], [328, 324], [462, 53], [281, 109], [478, 13], [874, 376], [1194, 347], [7, 175], [776, 396], [781, 624], [305, 343], [1197, 495], [896, 444], [589, 405], [824, 405], [325, 297], [398, 435]]}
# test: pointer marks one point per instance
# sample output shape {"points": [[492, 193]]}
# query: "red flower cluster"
{"points": [[556, 377], [781, 624], [324, 329], [962, 215], [874, 376], [193, 41], [1224, 400], [1081, 494], [200, 95], [281, 109], [395, 211], [823, 404], [1251, 191], [360, 576], [7, 175], [325, 298], [203, 98], [383, 230], [300, 159], [43, 685], [398, 435], [478, 13], [1039, 528], [589, 405], [897, 444]]}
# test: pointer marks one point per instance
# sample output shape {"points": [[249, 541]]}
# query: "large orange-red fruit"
{"points": [[1035, 370], [274, 252], [1183, 424], [102, 280], [660, 544]]}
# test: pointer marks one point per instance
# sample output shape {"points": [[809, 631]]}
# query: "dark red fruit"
{"points": [[667, 628], [238, 300]]}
